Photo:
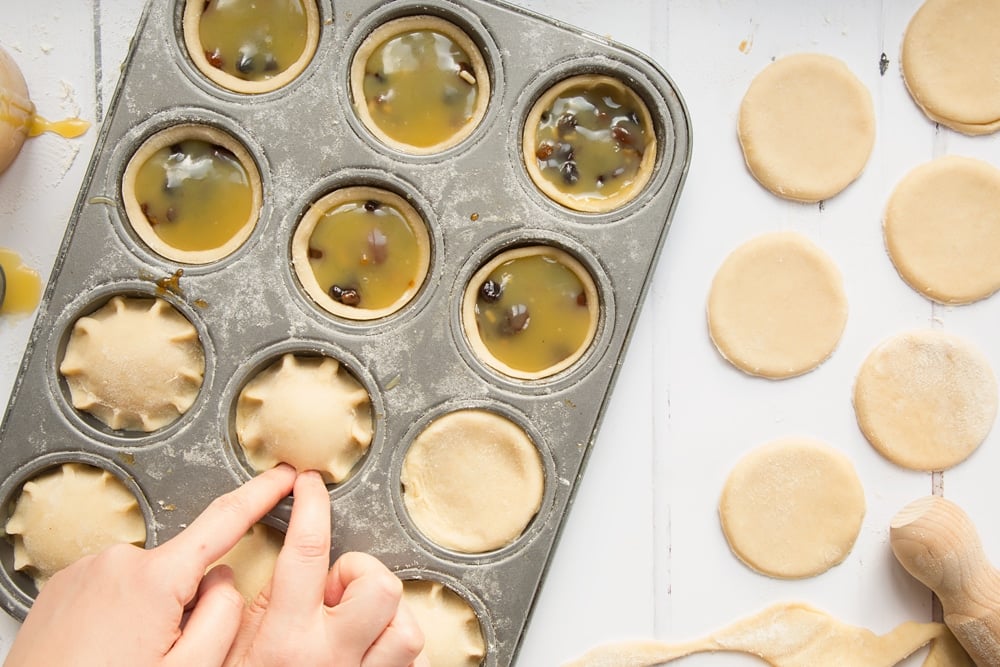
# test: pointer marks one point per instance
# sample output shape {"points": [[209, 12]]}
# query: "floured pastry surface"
{"points": [[307, 411], [136, 364], [793, 634], [806, 126], [942, 229], [472, 481], [68, 512], [252, 559], [792, 508], [777, 306], [926, 399], [452, 634], [950, 60]]}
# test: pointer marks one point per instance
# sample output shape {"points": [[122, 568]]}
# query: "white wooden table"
{"points": [[642, 554]]}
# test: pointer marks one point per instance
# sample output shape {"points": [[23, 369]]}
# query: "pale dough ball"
{"points": [[452, 634], [792, 508], [307, 411], [777, 306], [68, 512], [252, 559], [472, 481], [807, 127], [16, 110], [942, 229], [951, 63], [925, 399]]}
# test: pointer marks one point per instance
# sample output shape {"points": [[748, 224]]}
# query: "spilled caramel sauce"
{"points": [[24, 285]]}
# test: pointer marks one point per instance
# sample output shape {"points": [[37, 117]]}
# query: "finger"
{"points": [[370, 599], [400, 643], [253, 616], [225, 521], [213, 622], [300, 572]]}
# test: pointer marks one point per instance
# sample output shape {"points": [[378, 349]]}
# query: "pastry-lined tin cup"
{"points": [[144, 227], [196, 51], [249, 307], [17, 586]]}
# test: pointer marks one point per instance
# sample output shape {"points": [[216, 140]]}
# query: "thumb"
{"points": [[213, 622]]}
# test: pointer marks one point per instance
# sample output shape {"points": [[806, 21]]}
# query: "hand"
{"points": [[127, 606], [345, 616]]}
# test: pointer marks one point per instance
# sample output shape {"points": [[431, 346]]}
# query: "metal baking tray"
{"points": [[477, 199]]}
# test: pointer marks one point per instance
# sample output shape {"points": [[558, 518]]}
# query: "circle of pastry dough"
{"points": [[529, 146], [942, 229], [777, 306], [252, 559], [307, 411], [925, 399], [472, 481], [453, 636], [807, 127], [304, 231], [18, 110], [68, 512], [472, 328], [385, 32], [136, 364], [792, 508], [951, 63], [193, 9], [141, 224]]}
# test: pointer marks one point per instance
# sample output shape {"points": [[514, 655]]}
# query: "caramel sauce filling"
{"points": [[24, 285], [590, 141], [253, 40], [532, 313], [363, 253], [420, 88], [195, 195]]}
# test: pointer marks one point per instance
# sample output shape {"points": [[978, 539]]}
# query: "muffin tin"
{"points": [[417, 363]]}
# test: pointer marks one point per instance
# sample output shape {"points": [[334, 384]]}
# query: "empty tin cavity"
{"points": [[453, 636], [308, 411], [531, 312], [472, 481], [136, 364], [192, 193], [249, 46], [589, 143], [361, 253], [68, 511], [420, 84]]}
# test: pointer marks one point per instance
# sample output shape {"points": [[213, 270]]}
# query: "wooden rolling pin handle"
{"points": [[938, 544]]}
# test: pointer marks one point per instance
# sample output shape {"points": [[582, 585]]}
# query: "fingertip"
{"points": [[221, 573]]}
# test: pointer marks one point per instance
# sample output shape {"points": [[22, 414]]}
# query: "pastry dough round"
{"points": [[942, 229], [252, 559], [136, 364], [792, 508], [383, 34], [16, 110], [140, 223], [926, 399], [68, 512], [807, 127], [472, 481], [452, 634], [777, 306], [951, 63], [193, 9], [307, 411]]}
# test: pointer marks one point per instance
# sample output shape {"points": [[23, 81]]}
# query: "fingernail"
{"points": [[284, 467], [313, 475]]}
